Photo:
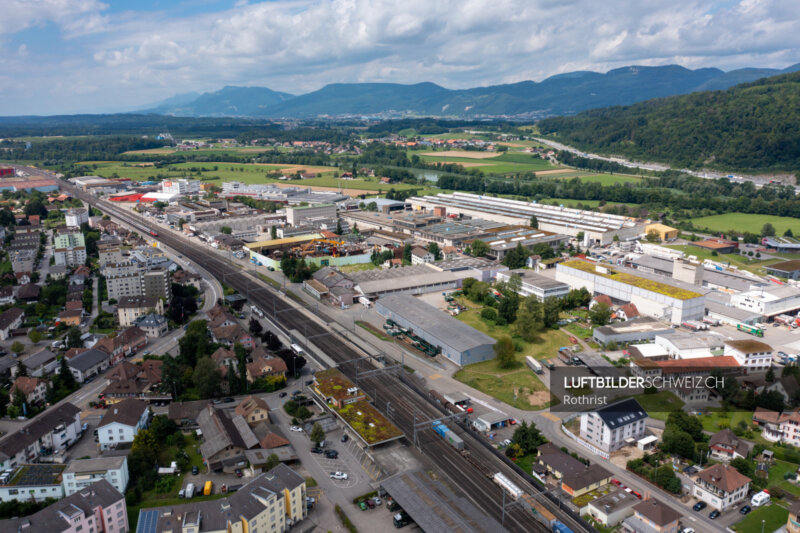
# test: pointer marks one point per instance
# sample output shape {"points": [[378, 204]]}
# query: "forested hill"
{"points": [[753, 126]]}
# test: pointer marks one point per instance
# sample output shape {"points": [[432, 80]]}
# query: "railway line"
{"points": [[401, 403]]}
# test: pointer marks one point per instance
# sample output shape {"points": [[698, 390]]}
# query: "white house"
{"points": [[614, 426], [420, 256], [122, 422], [82, 473], [753, 355], [721, 486]]}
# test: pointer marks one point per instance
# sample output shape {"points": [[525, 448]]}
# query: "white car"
{"points": [[338, 475], [507, 442], [296, 428]]}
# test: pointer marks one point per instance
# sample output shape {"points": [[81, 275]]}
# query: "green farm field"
{"points": [[508, 163], [244, 172], [603, 179], [747, 222]]}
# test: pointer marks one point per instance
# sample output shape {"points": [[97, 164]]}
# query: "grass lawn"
{"points": [[660, 404], [357, 268], [716, 420], [579, 331], [747, 263], [773, 516], [603, 179], [747, 222], [508, 163], [526, 462], [518, 385], [776, 473]]}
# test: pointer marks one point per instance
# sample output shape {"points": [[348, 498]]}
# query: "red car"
{"points": [[636, 494], [615, 481]]}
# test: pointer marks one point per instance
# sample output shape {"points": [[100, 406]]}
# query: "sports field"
{"points": [[747, 222]]}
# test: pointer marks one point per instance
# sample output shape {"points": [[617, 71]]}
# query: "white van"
{"points": [[760, 499], [189, 490]]}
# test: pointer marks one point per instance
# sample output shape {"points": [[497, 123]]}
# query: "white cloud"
{"points": [[297, 46]]}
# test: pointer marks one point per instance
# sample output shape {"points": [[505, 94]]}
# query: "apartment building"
{"points": [[131, 279], [34, 389], [99, 508], [82, 473], [130, 308], [122, 422], [614, 426], [69, 247], [51, 431]]}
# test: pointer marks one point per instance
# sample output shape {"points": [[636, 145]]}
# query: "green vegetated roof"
{"points": [[637, 281], [333, 384], [369, 422]]}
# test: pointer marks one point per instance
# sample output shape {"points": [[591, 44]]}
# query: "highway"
{"points": [[390, 393]]}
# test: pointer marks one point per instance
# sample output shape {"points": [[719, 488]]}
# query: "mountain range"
{"points": [[563, 94]]}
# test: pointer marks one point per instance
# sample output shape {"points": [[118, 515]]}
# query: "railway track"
{"points": [[399, 402]]}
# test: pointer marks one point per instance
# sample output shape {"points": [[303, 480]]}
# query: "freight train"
{"points": [[448, 435]]}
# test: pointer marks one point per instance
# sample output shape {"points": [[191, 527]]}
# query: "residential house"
{"points": [[601, 299], [128, 380], [751, 354], [129, 308], [770, 424], [184, 277], [29, 292], [724, 445], [51, 431], [6, 295], [98, 508], [574, 477], [132, 340], [793, 522], [612, 508], [449, 252], [254, 410], [58, 272], [223, 357], [155, 326], [186, 413], [272, 502], [225, 439], [627, 312], [89, 364], [39, 364], [219, 317], [122, 422], [652, 516], [70, 318], [230, 335], [721, 486], [614, 426], [10, 319], [786, 386], [112, 347], [74, 305], [34, 389], [263, 367], [420, 256], [81, 473]]}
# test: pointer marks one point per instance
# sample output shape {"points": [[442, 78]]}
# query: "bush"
{"points": [[487, 313], [344, 520]]}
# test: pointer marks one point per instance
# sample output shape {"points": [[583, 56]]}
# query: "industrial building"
{"points": [[181, 187], [666, 299], [785, 269], [709, 274], [460, 343], [665, 233], [600, 228], [313, 248], [638, 329], [534, 284], [299, 215], [418, 279], [286, 195], [782, 244], [768, 301]]}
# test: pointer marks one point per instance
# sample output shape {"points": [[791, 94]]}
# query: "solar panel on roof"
{"points": [[147, 522]]}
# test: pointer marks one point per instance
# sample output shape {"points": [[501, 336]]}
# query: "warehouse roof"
{"points": [[434, 507], [410, 282], [786, 266], [749, 346], [533, 279], [437, 324]]}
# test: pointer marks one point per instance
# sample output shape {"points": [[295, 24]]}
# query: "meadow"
{"points": [[746, 222]]}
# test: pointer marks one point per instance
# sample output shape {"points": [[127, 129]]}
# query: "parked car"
{"points": [[338, 475], [506, 442], [376, 500], [195, 470], [282, 395], [296, 428], [699, 506], [331, 454], [745, 510], [84, 427], [310, 382], [362, 505], [615, 481], [316, 449], [228, 400], [295, 393], [344, 438], [370, 504], [238, 472], [714, 514]]}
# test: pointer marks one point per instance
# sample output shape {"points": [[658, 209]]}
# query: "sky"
{"points": [[90, 56]]}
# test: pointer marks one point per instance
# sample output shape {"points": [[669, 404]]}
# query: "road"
{"points": [[392, 392]]}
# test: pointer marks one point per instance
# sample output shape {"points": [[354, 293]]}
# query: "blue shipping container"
{"points": [[558, 527]]}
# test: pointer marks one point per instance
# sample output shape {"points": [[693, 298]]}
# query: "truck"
{"points": [[534, 365], [711, 321], [752, 330], [565, 355], [189, 490], [786, 320], [208, 488], [509, 486], [549, 364], [694, 325]]}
